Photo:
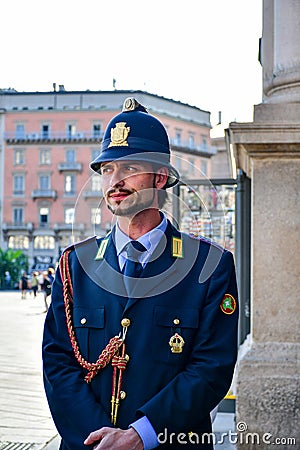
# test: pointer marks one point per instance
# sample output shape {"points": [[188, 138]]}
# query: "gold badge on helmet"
{"points": [[119, 134]]}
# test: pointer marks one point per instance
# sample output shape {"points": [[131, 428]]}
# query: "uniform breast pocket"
{"points": [[90, 332], [175, 330]]}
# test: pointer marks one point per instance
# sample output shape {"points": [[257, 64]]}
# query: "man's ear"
{"points": [[161, 177]]}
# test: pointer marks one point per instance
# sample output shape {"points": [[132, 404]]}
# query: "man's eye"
{"points": [[105, 170]]}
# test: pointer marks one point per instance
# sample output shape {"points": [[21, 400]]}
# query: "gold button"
{"points": [[122, 395], [83, 321], [176, 321], [125, 322], [127, 358]]}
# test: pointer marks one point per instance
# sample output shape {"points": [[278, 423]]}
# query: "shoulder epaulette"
{"points": [[79, 243], [206, 240], [212, 243]]}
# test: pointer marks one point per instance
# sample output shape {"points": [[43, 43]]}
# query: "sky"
{"points": [[200, 52]]}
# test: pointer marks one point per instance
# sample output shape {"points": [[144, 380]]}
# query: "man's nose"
{"points": [[116, 179]]}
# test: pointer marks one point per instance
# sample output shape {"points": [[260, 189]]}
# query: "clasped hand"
{"points": [[107, 438]]}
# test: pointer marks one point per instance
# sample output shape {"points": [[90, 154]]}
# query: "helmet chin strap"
{"points": [[155, 190]]}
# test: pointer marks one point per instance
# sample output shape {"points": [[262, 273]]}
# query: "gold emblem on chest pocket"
{"points": [[176, 343]]}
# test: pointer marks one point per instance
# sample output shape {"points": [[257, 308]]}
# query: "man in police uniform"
{"points": [[140, 338]]}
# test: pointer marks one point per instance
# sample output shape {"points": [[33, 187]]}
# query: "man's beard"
{"points": [[139, 203]]}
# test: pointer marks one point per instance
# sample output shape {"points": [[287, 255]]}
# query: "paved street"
{"points": [[24, 414]]}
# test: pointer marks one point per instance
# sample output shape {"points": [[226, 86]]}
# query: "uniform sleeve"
{"points": [[205, 380], [72, 403]]}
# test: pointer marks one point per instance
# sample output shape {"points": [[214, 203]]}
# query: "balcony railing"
{"points": [[74, 166], [59, 136], [29, 226], [18, 226], [44, 193], [192, 147], [57, 227], [93, 194]]}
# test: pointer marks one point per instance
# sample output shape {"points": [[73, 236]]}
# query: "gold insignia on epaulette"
{"points": [[101, 250], [177, 248], [119, 134]]}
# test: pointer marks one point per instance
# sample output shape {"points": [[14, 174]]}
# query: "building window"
{"points": [[69, 215], [95, 216], [70, 185], [45, 131], [65, 241], [45, 156], [18, 242], [178, 137], [204, 167], [70, 156], [191, 166], [204, 142], [44, 242], [96, 130], [18, 215], [178, 163], [44, 215], [191, 141], [96, 184], [20, 131], [18, 184], [19, 157], [71, 130], [44, 182]]}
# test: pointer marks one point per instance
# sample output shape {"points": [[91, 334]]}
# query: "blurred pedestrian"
{"points": [[46, 288], [7, 280], [23, 285], [51, 273], [40, 278], [34, 283]]}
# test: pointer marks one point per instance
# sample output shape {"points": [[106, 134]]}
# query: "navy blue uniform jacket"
{"points": [[176, 391]]}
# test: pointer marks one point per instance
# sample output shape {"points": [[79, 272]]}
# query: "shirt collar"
{"points": [[149, 239]]}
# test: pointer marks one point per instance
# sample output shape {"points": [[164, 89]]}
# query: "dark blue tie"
{"points": [[133, 267]]}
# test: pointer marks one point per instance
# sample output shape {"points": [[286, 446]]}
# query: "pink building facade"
{"points": [[49, 196]]}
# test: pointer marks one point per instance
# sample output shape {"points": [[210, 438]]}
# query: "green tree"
{"points": [[13, 261]]}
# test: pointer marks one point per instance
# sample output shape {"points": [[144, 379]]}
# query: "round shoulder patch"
{"points": [[228, 304]]}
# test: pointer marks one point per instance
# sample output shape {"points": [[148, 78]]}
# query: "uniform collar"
{"points": [[149, 239]]}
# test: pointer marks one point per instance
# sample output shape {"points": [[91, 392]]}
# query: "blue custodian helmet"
{"points": [[136, 135]]}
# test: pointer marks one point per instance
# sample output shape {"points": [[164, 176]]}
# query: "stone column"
{"points": [[268, 151], [280, 52]]}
